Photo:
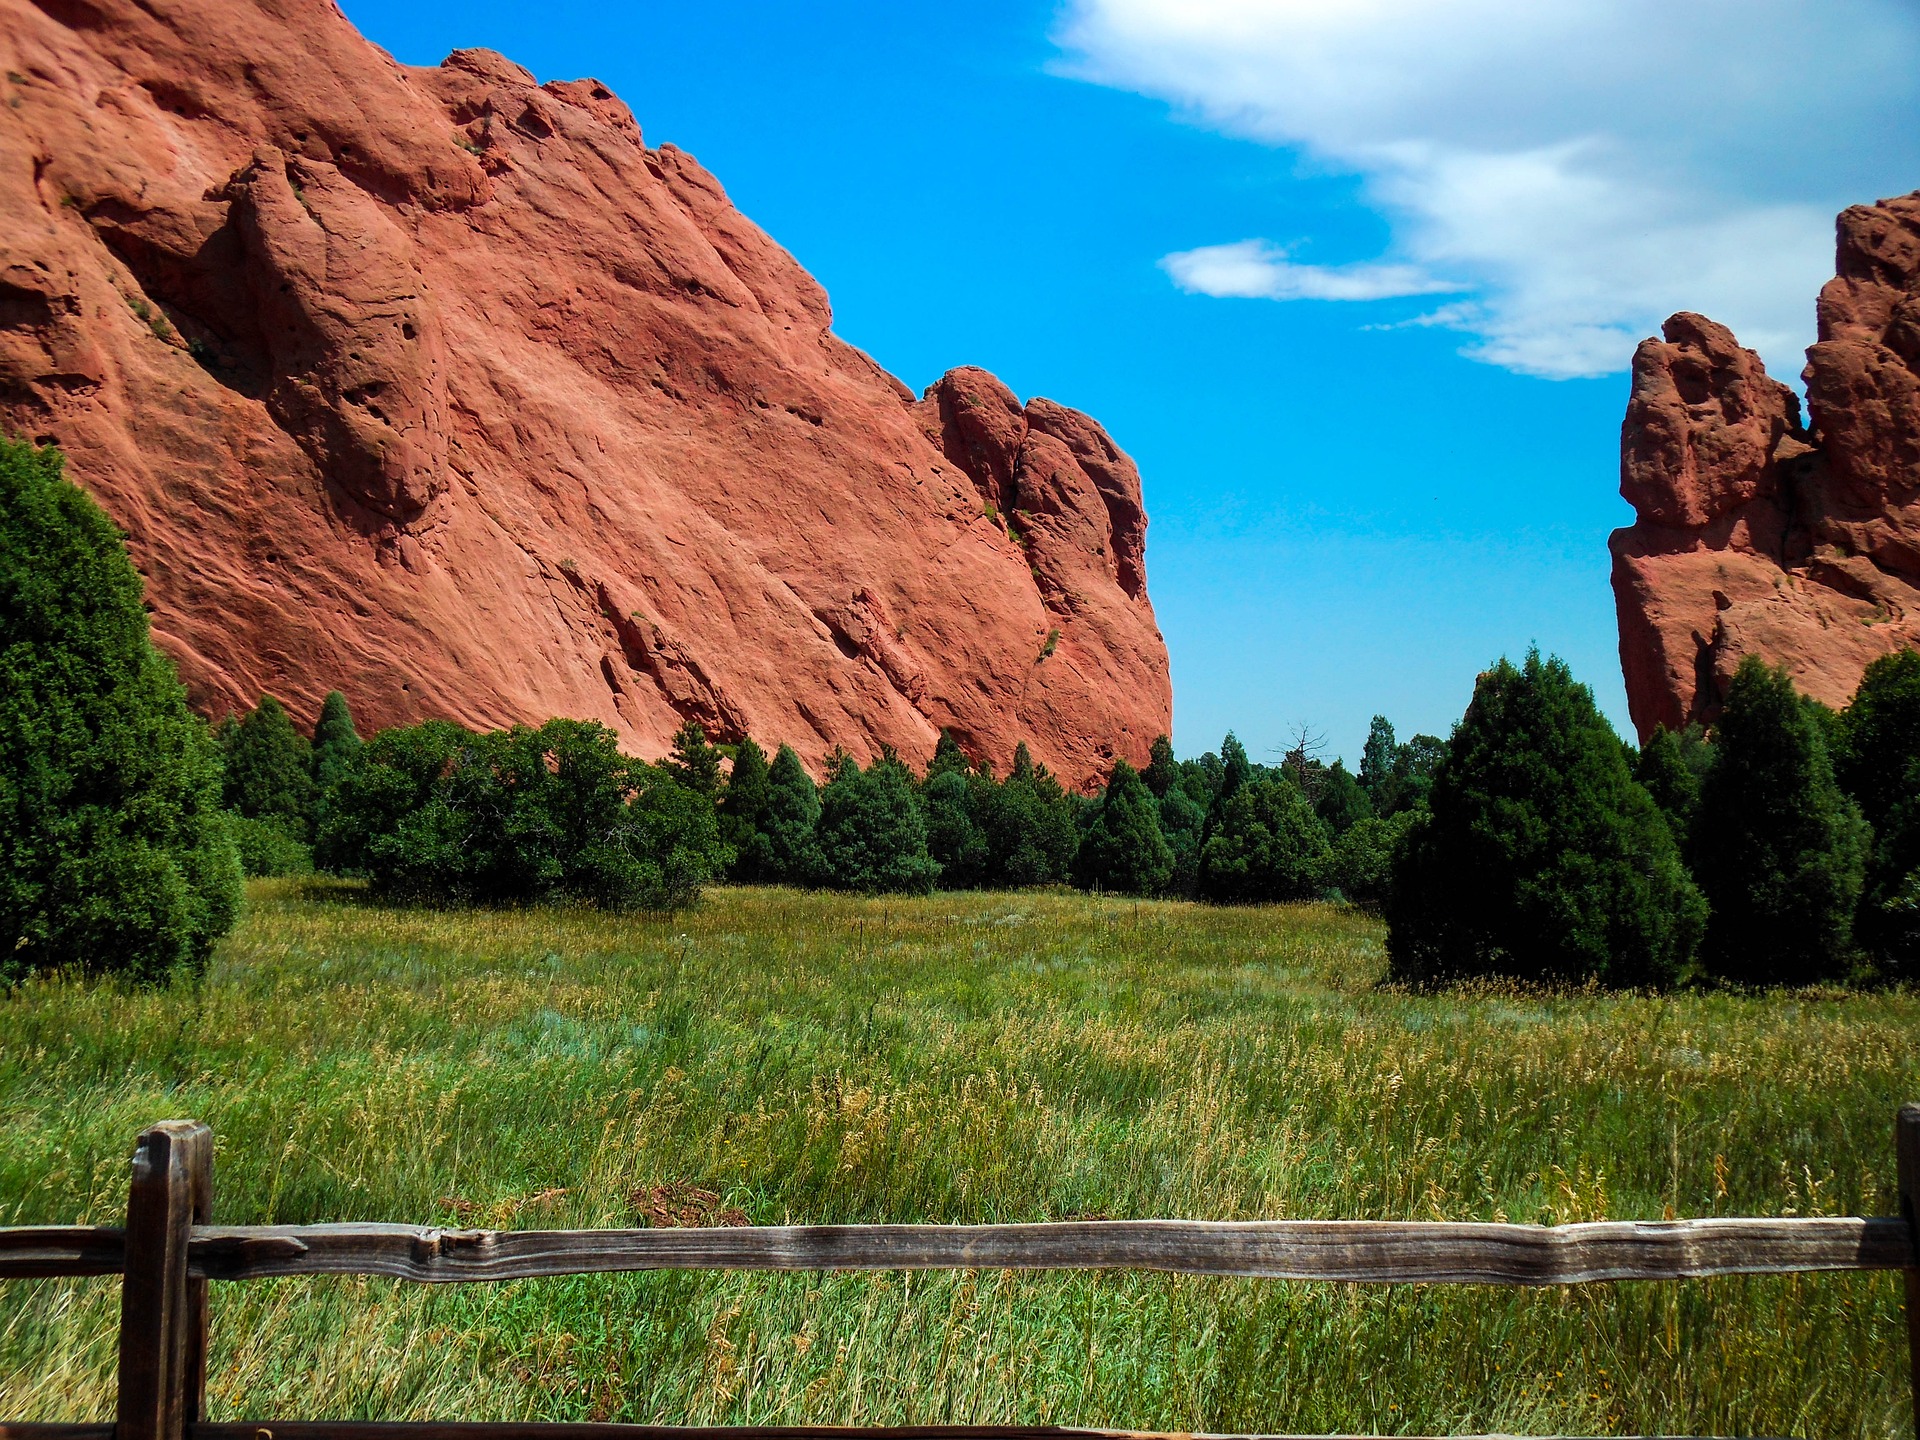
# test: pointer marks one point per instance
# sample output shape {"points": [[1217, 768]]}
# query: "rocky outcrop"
{"points": [[1756, 533], [439, 386]]}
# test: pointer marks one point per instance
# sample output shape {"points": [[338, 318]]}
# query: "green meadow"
{"points": [[959, 1058]]}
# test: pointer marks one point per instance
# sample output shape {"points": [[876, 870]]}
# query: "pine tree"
{"points": [[954, 839], [1342, 801], [1779, 851], [269, 770], [871, 835], [1183, 821], [1539, 856], [1268, 845], [694, 764], [1377, 766], [335, 743], [114, 853], [1235, 768], [1878, 764], [1122, 849], [743, 814], [1670, 765], [793, 811], [1163, 771], [948, 757]]}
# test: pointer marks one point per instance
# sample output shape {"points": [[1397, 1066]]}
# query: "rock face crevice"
{"points": [[1756, 533], [438, 385]]}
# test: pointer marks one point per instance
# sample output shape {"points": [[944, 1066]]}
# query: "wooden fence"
{"points": [[168, 1252]]}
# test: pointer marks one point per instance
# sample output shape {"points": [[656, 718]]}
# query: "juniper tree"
{"points": [[114, 853], [1121, 849], [693, 763], [871, 835], [787, 828], [1267, 845], [1878, 764], [1539, 855], [1778, 849], [269, 769], [335, 743], [743, 812]]}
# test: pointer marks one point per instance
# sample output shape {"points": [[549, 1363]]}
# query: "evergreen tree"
{"points": [[693, 763], [1122, 849], [1778, 849], [1341, 802], [1539, 856], [1235, 769], [871, 834], [1030, 825], [1377, 766], [438, 814], [1414, 764], [954, 839], [793, 810], [948, 757], [335, 743], [1878, 763], [1163, 771], [1268, 845], [269, 770], [1183, 820], [743, 811], [1670, 766], [1360, 865], [114, 853]]}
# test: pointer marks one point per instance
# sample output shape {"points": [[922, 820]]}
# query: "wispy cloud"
{"points": [[1260, 270], [1581, 168]]}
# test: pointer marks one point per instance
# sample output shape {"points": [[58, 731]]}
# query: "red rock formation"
{"points": [[1756, 535], [439, 386]]}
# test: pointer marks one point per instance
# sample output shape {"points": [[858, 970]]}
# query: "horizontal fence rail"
{"points": [[1359, 1251], [168, 1253]]}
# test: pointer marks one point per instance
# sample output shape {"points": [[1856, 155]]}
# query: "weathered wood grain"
{"points": [[29, 1252], [1361, 1251], [157, 1321]]}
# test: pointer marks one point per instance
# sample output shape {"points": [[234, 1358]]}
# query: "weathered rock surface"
{"points": [[1758, 534], [438, 386]]}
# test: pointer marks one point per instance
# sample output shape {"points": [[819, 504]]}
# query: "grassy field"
{"points": [[960, 1058]]}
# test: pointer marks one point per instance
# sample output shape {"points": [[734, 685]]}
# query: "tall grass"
{"points": [[958, 1058]]}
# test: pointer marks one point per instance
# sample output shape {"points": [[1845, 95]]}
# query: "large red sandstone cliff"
{"points": [[1757, 533], [439, 386]]}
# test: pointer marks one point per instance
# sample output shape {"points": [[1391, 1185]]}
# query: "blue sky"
{"points": [[1141, 208]]}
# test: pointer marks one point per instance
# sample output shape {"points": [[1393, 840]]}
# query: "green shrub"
{"points": [[114, 856], [694, 764], [1670, 765], [1539, 855], [743, 809], [784, 848], [871, 835], [1121, 849], [1267, 845], [266, 848], [269, 769], [1779, 851], [437, 814], [1878, 764], [1360, 864]]}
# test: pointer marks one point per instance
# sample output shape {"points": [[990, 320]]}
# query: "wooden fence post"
{"points": [[1907, 1150], [163, 1311]]}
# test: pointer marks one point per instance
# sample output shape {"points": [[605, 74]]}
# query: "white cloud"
{"points": [[1583, 167], [1257, 270]]}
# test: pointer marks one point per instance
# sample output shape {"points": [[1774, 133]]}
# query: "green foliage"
{"points": [[989, 834], [1121, 849], [1540, 857], [1670, 765], [336, 743], [1183, 821], [266, 849], [1163, 771], [1779, 851], [948, 757], [784, 850], [1377, 762], [1878, 763], [1268, 845], [694, 764], [1235, 768], [114, 856], [1360, 864], [269, 769], [743, 813], [1397, 777], [871, 835], [1339, 799], [437, 814]]}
